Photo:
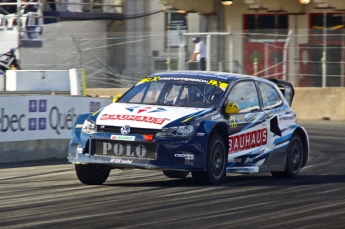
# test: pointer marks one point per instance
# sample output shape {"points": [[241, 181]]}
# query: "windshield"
{"points": [[181, 93]]}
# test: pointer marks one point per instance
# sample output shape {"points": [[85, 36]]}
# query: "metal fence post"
{"points": [[208, 47]]}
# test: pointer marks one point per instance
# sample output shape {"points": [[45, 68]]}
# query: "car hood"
{"points": [[146, 116]]}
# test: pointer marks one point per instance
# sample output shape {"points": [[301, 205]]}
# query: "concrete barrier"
{"points": [[20, 151], [308, 104], [319, 103]]}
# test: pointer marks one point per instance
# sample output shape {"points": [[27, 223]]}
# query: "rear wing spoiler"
{"points": [[286, 88]]}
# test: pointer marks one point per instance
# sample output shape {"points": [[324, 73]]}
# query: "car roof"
{"points": [[211, 75]]}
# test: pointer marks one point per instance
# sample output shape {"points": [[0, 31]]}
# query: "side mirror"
{"points": [[232, 108], [116, 98]]}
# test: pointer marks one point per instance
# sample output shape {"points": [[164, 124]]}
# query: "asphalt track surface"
{"points": [[50, 196]]}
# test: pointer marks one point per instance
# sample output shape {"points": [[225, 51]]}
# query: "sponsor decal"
{"points": [[189, 158], [286, 118], [136, 118], [42, 123], [37, 106], [41, 116], [122, 138], [59, 121], [149, 79], [185, 79], [118, 149], [217, 116], [11, 122], [42, 105], [32, 124], [233, 122], [125, 129], [249, 160], [141, 109], [125, 161], [32, 105], [222, 85], [247, 140]]}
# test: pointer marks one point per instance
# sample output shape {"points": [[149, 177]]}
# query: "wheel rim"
{"points": [[217, 160], [100, 171], [295, 155]]}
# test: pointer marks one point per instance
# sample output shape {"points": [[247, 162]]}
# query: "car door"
{"points": [[274, 106], [248, 126], [281, 121]]}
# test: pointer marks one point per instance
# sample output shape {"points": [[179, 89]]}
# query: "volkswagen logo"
{"points": [[125, 129]]}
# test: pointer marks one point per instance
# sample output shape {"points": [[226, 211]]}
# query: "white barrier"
{"points": [[24, 118], [2, 86], [21, 80], [73, 80]]}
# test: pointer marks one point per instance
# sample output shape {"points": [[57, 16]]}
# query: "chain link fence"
{"points": [[308, 58]]}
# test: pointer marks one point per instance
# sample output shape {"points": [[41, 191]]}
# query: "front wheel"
{"points": [[294, 158], [92, 174], [215, 162]]}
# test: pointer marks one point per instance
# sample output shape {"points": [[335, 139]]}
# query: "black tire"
{"points": [[92, 174], [294, 159], [215, 162], [175, 174]]}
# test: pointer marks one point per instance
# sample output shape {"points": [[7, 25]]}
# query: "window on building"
{"points": [[178, 23], [270, 26]]}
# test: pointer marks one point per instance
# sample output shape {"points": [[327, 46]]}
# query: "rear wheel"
{"points": [[92, 174], [175, 174], [294, 158], [215, 162]]}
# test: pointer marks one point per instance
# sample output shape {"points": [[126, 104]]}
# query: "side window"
{"points": [[245, 95], [270, 96]]}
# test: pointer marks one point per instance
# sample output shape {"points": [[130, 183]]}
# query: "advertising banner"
{"points": [[25, 118]]}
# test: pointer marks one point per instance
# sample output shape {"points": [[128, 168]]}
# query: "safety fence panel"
{"points": [[308, 58]]}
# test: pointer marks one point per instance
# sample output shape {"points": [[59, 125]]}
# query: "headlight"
{"points": [[176, 131], [89, 127]]}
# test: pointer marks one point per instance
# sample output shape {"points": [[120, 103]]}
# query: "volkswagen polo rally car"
{"points": [[204, 123]]}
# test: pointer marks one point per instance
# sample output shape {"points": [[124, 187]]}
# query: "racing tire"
{"points": [[92, 174], [215, 162], [294, 159], [175, 174]]}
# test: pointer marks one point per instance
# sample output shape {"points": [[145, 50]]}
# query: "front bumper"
{"points": [[167, 154]]}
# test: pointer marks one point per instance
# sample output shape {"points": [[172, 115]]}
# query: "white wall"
{"points": [[9, 39], [22, 80]]}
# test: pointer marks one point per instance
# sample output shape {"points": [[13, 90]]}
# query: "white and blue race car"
{"points": [[204, 123]]}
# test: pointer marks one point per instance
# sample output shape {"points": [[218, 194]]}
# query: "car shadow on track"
{"points": [[242, 180]]}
